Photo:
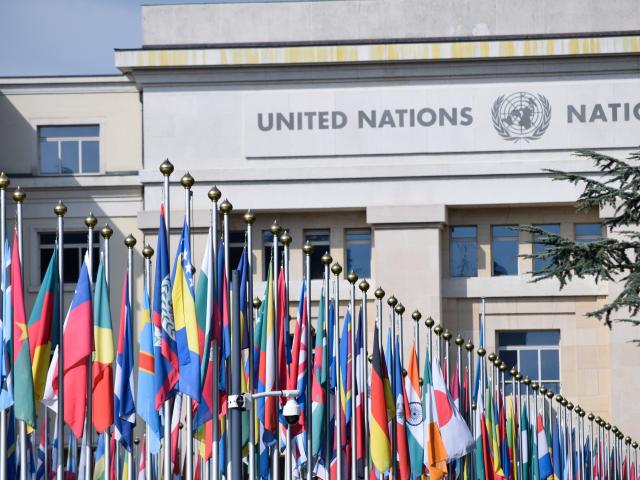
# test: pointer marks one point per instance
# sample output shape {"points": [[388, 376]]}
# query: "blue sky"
{"points": [[68, 37]]}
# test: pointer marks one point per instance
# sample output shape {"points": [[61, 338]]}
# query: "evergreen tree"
{"points": [[617, 187]]}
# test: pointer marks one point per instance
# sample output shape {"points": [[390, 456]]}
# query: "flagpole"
{"points": [[336, 269], [392, 301], [326, 261], [4, 183], [90, 222], [106, 233], [416, 316], [19, 197], [187, 182], [379, 294], [236, 368], [147, 253], [469, 348], [166, 168], [364, 287], [226, 208], [130, 243], [214, 195], [285, 239], [275, 454], [249, 219], [60, 210], [399, 309], [446, 336], [353, 278], [308, 250]]}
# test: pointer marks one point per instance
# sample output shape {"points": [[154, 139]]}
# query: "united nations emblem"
{"points": [[521, 116], [415, 414]]}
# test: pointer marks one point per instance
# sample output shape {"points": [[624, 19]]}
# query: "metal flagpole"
{"points": [[353, 278], [429, 323], [19, 196], [591, 417], [106, 233], [249, 219], [459, 341], [4, 183], [518, 399], [275, 454], [214, 195], [130, 243], [326, 261], [569, 407], [226, 208], [308, 250], [364, 287], [236, 368], [336, 269], [379, 294], [187, 182], [438, 331], [399, 309], [392, 302], [416, 316], [166, 168], [469, 348], [90, 222], [446, 335], [285, 239], [147, 253], [60, 210]]}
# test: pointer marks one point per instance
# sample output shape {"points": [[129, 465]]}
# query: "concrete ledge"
{"points": [[407, 215]]}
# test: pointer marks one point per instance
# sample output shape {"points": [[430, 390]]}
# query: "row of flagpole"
{"points": [[492, 369]]}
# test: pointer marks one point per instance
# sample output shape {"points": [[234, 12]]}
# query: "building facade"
{"points": [[406, 138]]}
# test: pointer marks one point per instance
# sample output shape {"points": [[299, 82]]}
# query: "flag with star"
{"points": [[24, 405]]}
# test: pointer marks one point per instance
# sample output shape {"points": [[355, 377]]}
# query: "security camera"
{"points": [[291, 411], [236, 402]]}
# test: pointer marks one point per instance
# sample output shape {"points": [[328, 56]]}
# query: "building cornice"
{"points": [[335, 54]]}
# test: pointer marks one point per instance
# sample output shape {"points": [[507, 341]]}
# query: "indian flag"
{"points": [[413, 414], [435, 453]]}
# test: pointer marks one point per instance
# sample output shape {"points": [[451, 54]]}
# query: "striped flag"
{"points": [[145, 401], [413, 409], [6, 388], [524, 442], [24, 404], [41, 457], [435, 452], [165, 352], [43, 323], [124, 403], [184, 314], [379, 422], [319, 379], [402, 454], [266, 382], [98, 468], [104, 355], [544, 460], [360, 384]]}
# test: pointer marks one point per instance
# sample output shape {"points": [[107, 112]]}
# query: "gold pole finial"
{"points": [[392, 301], [459, 340], [275, 228], [399, 309], [147, 251], [285, 238], [363, 285], [379, 293], [4, 181], [106, 231], [214, 194], [256, 303], [18, 195], [307, 248], [249, 217], [130, 241], [492, 357], [90, 221], [481, 352], [187, 181], [325, 259], [429, 322], [226, 207], [416, 315], [438, 329], [468, 346], [60, 209], [352, 278], [336, 269], [166, 167], [446, 335]]}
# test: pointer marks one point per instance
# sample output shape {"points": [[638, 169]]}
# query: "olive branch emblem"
{"points": [[503, 131]]}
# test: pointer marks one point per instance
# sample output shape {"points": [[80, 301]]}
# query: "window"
{"points": [[236, 245], [321, 241], [535, 353], [69, 149], [540, 263], [464, 251], [588, 232], [267, 253], [75, 246], [504, 250], [358, 246]]}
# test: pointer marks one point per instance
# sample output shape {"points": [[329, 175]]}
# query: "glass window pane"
{"points": [[543, 337], [539, 263], [550, 364], [71, 265], [45, 258], [463, 251], [553, 386], [504, 250], [510, 339], [359, 252], [235, 253], [70, 159], [317, 268], [463, 232], [317, 237], [76, 238], [48, 238], [529, 363], [510, 357], [70, 131], [49, 157], [588, 232], [90, 156]]}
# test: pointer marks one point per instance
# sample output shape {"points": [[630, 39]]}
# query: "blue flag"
{"points": [[6, 387]]}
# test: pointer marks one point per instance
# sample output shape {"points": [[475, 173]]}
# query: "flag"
{"points": [[104, 355], [413, 409], [12, 446], [483, 462], [71, 470], [319, 379], [402, 447], [297, 379], [98, 466], [6, 389], [40, 470], [124, 404], [43, 324], [165, 351], [267, 407], [78, 346], [545, 469], [524, 442], [379, 422], [175, 431], [184, 312], [360, 384], [141, 470], [24, 403], [557, 453], [145, 401], [435, 453]]}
